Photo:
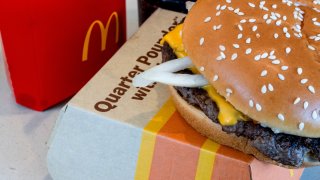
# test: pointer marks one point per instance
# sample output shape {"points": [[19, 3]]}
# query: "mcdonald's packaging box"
{"points": [[112, 130], [53, 48]]}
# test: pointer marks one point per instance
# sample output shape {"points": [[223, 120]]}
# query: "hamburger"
{"points": [[245, 74]]}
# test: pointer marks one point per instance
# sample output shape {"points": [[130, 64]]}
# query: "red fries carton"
{"points": [[53, 48], [112, 130]]}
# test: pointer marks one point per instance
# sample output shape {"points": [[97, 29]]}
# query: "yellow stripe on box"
{"points": [[291, 172], [206, 160], [148, 140]]}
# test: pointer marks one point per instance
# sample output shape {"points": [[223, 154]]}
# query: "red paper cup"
{"points": [[53, 48]]}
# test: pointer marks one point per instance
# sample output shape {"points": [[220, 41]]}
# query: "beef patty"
{"points": [[283, 148]]}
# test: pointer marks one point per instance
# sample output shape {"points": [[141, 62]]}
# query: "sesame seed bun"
{"points": [[199, 121], [266, 57]]}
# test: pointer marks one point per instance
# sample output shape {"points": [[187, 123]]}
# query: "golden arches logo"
{"points": [[104, 34]]}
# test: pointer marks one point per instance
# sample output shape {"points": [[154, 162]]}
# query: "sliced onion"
{"points": [[164, 73], [171, 66]]}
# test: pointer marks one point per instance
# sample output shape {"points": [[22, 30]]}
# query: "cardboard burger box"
{"points": [[112, 130]]}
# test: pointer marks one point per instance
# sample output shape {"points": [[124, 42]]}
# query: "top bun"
{"points": [[263, 57]]}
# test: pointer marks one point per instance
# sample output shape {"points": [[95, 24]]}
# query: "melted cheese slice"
{"points": [[228, 115]]}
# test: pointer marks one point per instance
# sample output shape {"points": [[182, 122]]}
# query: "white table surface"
{"points": [[24, 133]]}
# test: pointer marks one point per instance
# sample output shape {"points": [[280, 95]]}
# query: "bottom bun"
{"points": [[201, 123]]}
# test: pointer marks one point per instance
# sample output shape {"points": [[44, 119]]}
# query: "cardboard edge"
{"points": [[53, 160], [63, 110]]}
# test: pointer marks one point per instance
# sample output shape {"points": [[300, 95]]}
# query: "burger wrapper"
{"points": [[113, 130]]}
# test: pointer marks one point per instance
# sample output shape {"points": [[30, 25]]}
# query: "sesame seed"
{"points": [[264, 89], [311, 89], [218, 13], [222, 48], [201, 68], [270, 87], [239, 36], [264, 55], [219, 26], [301, 126], [288, 50], [281, 117], [272, 53], [230, 8], [284, 18], [240, 13], [285, 30], [314, 115], [316, 23], [207, 19], [243, 21], [254, 28], [281, 77], [288, 35], [273, 16], [272, 57], [268, 21], [228, 1], [248, 51], [296, 35], [236, 46], [251, 4], [228, 90], [240, 27], [265, 17], [264, 73], [274, 6], [303, 81], [284, 68], [305, 105], [311, 48], [299, 71], [314, 19], [219, 58], [201, 41], [278, 23], [234, 56], [215, 77], [276, 35], [276, 61], [222, 55], [258, 107], [236, 10], [296, 101], [252, 20], [248, 41], [218, 7], [223, 7], [251, 104], [257, 57]]}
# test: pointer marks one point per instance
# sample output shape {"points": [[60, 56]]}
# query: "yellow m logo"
{"points": [[104, 34]]}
